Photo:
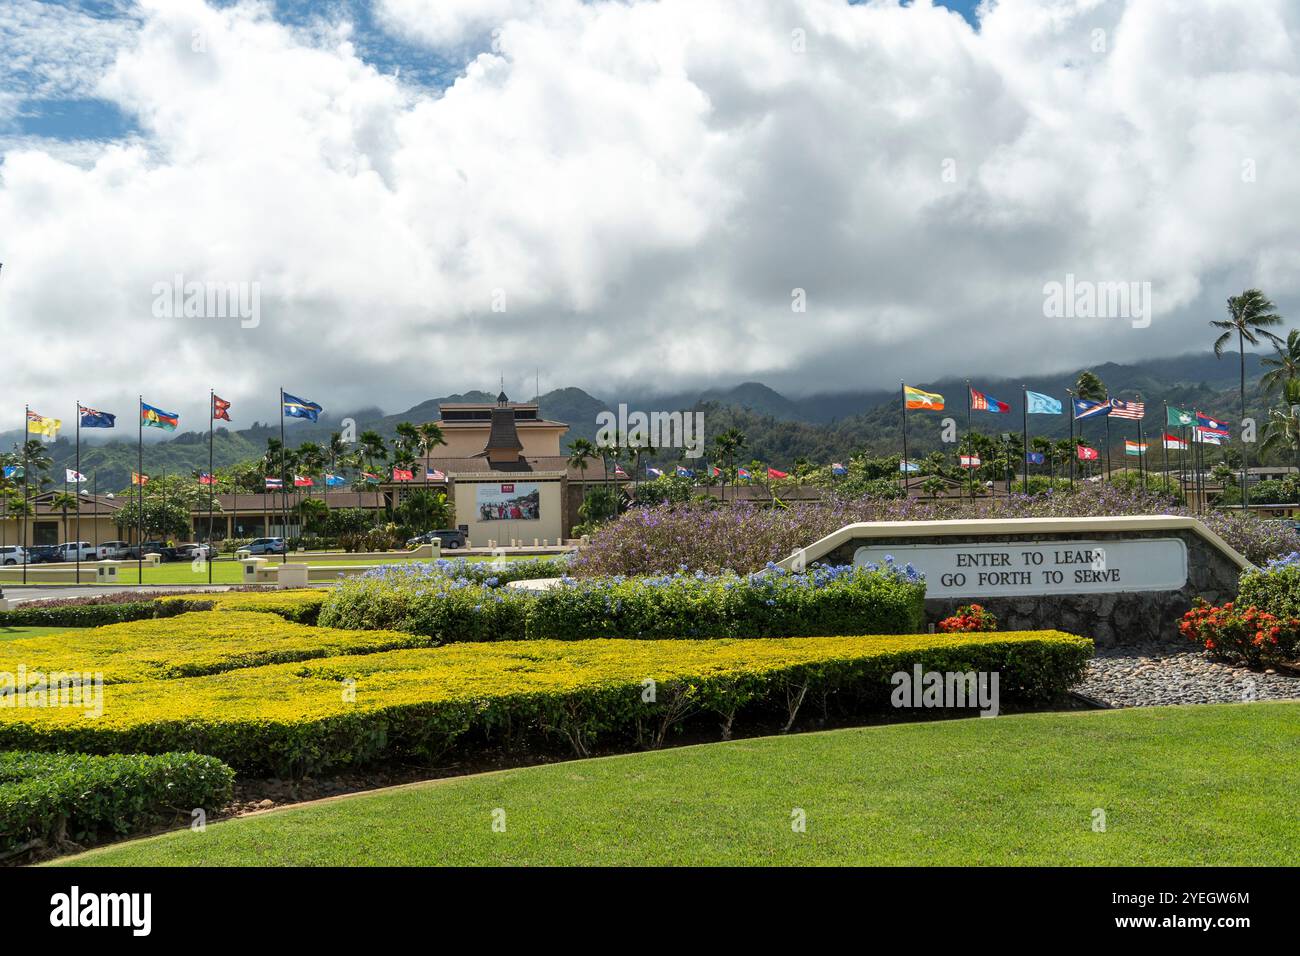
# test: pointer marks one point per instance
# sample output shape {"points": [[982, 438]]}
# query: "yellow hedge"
{"points": [[315, 714], [301, 605], [189, 645]]}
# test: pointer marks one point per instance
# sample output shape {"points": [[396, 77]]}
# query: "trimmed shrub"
{"points": [[189, 645], [49, 799], [96, 615], [969, 617], [1241, 634], [440, 607], [773, 603], [301, 606], [423, 704], [1274, 588]]}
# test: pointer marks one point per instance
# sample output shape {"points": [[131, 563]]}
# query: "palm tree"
{"points": [[581, 451], [1089, 386], [1283, 428], [63, 501], [311, 458], [429, 436], [728, 445], [1286, 366], [406, 440], [1250, 316]]}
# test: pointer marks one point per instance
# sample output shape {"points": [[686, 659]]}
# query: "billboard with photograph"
{"points": [[509, 501]]}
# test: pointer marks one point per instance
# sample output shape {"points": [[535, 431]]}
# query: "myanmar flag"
{"points": [[924, 401]]}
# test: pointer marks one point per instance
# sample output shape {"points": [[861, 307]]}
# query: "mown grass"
{"points": [[21, 633], [1205, 785]]}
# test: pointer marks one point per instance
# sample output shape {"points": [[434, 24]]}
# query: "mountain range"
{"points": [[819, 427]]}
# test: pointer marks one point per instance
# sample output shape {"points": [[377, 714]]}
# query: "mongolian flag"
{"points": [[139, 479], [1088, 454], [206, 479], [1036, 403], [1177, 444], [1137, 449], [970, 461], [773, 473], [94, 419], [220, 409], [1086, 409], [40, 425], [151, 417], [838, 469], [303, 481], [403, 474], [980, 402], [297, 408], [70, 475], [1179, 418], [914, 398], [274, 484], [332, 481]]}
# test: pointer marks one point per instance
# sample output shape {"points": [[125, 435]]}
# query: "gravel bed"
{"points": [[1149, 675]]}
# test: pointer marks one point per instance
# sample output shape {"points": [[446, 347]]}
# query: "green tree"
{"points": [[1283, 367], [64, 502]]}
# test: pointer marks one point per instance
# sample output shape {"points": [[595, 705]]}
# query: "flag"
{"points": [[40, 425], [75, 476], [303, 481], [905, 467], [402, 474], [1086, 409], [93, 419], [370, 478], [1131, 410], [773, 473], [139, 479], [980, 402], [1035, 457], [683, 472], [1137, 449], [274, 484], [1211, 426], [152, 417], [1177, 444], [13, 471], [970, 461], [297, 408], [715, 471], [433, 474], [619, 472], [1206, 437], [1036, 403], [838, 469], [206, 479], [1088, 454], [220, 409], [1179, 418], [332, 481], [654, 473], [743, 473], [928, 401]]}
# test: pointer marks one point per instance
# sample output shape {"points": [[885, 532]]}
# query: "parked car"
{"points": [[133, 552], [265, 546], [13, 555], [79, 550], [451, 538], [43, 554], [189, 551], [114, 549]]}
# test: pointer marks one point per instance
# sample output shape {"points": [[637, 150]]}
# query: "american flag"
{"points": [[1134, 410]]}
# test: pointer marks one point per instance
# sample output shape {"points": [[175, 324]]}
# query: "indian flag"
{"points": [[1136, 448], [925, 401]]}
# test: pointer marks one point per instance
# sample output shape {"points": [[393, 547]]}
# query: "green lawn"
{"points": [[1179, 785], [15, 633]]}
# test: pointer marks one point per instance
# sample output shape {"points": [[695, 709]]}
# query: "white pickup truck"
{"points": [[88, 551]]}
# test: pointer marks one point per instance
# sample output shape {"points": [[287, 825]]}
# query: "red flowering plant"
{"points": [[969, 617], [1242, 635]]}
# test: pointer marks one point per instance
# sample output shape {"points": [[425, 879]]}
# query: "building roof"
{"points": [[503, 436], [480, 464]]}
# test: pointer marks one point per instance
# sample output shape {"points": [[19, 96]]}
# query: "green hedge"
{"points": [[97, 615], [422, 705], [772, 603], [47, 799], [1275, 589]]}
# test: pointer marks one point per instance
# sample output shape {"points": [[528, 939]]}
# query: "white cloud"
{"points": [[645, 183]]}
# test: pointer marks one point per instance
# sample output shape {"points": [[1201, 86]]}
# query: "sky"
{"points": [[374, 203]]}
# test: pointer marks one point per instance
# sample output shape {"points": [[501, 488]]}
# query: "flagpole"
{"points": [[1142, 458], [284, 501], [78, 483], [27, 410], [902, 469], [139, 498], [212, 478], [1107, 417], [1024, 418], [1164, 431], [1074, 451], [970, 450]]}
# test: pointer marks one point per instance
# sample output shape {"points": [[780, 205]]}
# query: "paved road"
{"points": [[17, 593]]}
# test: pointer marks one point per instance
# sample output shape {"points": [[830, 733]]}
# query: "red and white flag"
{"points": [[970, 461], [402, 474], [1177, 444], [1088, 454]]}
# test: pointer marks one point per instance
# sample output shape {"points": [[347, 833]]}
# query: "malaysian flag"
{"points": [[1134, 410]]}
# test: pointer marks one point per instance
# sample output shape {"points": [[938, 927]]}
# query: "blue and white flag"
{"points": [[838, 469], [297, 408], [1035, 457], [684, 472], [74, 476], [1036, 403], [908, 466], [654, 473], [1086, 409], [332, 481]]}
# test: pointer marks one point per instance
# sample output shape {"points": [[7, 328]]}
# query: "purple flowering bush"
{"points": [[744, 538], [824, 600]]}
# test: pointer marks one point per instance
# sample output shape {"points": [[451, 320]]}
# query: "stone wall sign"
{"points": [[1013, 569]]}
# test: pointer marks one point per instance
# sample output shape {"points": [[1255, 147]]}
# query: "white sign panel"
{"points": [[1010, 569]]}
